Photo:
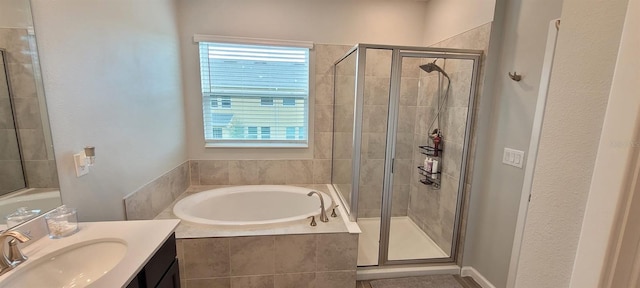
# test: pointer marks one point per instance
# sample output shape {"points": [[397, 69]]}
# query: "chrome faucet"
{"points": [[323, 213], [15, 255]]}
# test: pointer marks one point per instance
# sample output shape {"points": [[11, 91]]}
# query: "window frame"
{"points": [[249, 140]]}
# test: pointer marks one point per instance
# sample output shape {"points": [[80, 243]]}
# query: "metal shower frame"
{"points": [[398, 52]]}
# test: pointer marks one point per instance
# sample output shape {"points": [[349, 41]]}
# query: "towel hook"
{"points": [[515, 76]]}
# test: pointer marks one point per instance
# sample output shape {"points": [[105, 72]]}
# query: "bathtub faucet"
{"points": [[323, 213]]}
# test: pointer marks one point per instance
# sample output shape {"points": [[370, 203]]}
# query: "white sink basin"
{"points": [[76, 266]]}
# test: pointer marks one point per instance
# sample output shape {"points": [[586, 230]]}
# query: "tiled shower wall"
{"points": [[33, 128], [434, 209]]}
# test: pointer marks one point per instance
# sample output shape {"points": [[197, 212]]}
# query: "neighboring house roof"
{"points": [[221, 119]]}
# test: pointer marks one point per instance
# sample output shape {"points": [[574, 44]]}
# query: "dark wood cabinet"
{"points": [[162, 269]]}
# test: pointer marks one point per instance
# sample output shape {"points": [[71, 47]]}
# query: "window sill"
{"points": [[257, 145]]}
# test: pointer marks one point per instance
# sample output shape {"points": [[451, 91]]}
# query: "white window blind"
{"points": [[245, 86]]}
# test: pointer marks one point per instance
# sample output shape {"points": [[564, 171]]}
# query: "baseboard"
{"points": [[398, 272], [473, 273]]}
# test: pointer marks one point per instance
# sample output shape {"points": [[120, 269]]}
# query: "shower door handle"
{"points": [[393, 164]]}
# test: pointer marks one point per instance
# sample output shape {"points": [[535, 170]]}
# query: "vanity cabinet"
{"points": [[162, 269]]}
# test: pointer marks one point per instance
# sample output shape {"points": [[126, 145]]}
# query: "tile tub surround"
{"points": [[153, 198], [260, 172], [305, 260], [284, 255]]}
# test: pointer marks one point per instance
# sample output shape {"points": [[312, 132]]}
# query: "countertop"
{"points": [[143, 239]]}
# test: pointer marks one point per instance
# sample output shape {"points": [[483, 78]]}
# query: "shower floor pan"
{"points": [[406, 241]]}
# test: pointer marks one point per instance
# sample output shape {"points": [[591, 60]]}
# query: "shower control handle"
{"points": [[333, 212], [313, 221]]}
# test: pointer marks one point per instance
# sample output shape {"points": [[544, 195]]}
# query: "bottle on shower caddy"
{"points": [[436, 137], [428, 164]]}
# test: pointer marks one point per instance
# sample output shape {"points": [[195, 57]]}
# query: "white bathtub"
{"points": [[250, 205]]}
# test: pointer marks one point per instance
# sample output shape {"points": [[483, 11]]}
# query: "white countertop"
{"points": [[143, 239]]}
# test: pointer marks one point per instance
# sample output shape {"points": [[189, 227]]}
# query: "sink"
{"points": [[76, 266]]}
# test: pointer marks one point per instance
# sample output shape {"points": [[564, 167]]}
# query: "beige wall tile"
{"points": [[243, 172], [374, 118], [323, 118], [411, 67], [194, 172], [22, 80], [321, 171], [272, 172], [206, 257], [252, 255], [15, 179], [214, 172], [41, 173], [323, 145], [299, 172], [371, 171], [376, 90], [326, 55], [9, 143], [378, 62], [295, 253], [408, 91], [27, 112], [337, 251], [324, 89], [406, 119]]}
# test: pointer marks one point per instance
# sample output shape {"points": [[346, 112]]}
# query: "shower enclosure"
{"points": [[394, 109]]}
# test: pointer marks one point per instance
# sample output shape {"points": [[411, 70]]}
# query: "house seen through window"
{"points": [[254, 94]]}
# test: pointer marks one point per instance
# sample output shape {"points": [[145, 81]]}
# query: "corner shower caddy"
{"points": [[428, 176]]}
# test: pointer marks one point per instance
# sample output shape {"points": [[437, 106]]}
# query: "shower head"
{"points": [[430, 67]]}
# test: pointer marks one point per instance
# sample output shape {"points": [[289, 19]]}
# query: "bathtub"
{"points": [[250, 205]]}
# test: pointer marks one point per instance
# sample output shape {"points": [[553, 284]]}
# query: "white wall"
{"points": [[112, 77], [329, 22], [614, 152], [495, 195], [15, 14], [447, 18], [580, 84]]}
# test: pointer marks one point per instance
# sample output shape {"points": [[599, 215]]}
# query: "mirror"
{"points": [[28, 176]]}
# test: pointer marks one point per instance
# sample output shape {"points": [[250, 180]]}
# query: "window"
{"points": [[291, 133], [288, 101], [248, 81], [252, 133], [266, 101], [217, 133], [265, 132], [225, 102]]}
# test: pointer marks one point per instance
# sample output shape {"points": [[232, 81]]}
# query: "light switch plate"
{"points": [[513, 157], [81, 166]]}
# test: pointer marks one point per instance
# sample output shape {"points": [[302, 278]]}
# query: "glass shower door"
{"points": [[343, 119], [425, 197], [11, 170]]}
